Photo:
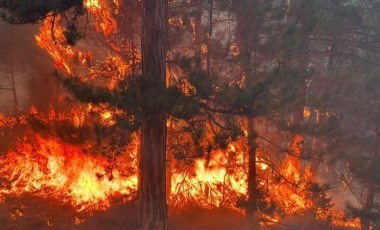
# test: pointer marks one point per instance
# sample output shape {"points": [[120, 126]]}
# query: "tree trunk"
{"points": [[153, 208], [152, 189], [370, 192], [253, 192], [365, 222], [198, 35], [12, 75], [246, 37], [210, 28]]}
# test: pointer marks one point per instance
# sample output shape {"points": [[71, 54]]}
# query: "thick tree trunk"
{"points": [[153, 208], [152, 190]]}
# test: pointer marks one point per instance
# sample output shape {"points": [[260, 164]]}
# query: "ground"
{"points": [[31, 213]]}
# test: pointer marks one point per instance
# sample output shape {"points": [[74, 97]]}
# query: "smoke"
{"points": [[30, 67]]}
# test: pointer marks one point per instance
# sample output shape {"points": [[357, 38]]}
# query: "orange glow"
{"points": [[53, 42], [106, 115], [292, 195], [210, 184], [338, 219], [50, 168], [306, 112], [92, 4], [79, 60], [102, 10]]}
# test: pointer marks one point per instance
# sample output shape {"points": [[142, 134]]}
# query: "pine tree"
{"points": [[346, 37], [152, 191]]}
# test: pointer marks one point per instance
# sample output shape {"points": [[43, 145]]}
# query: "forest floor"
{"points": [[31, 213]]}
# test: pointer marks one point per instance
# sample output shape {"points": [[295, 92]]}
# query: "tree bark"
{"points": [[365, 222], [210, 28], [198, 35], [253, 192], [369, 194], [12, 75], [246, 35], [152, 189]]}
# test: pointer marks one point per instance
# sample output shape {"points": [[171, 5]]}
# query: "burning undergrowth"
{"points": [[49, 168], [57, 167]]}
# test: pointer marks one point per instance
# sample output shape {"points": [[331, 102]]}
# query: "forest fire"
{"points": [[56, 170], [51, 168], [179, 107]]}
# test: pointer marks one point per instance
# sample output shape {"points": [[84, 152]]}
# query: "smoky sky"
{"points": [[32, 69]]}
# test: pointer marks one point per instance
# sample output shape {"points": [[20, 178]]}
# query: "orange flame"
{"points": [[53, 42], [210, 184], [103, 11], [52, 169]]}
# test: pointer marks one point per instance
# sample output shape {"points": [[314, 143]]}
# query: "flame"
{"points": [[106, 115], [306, 112], [92, 4], [339, 219], [78, 60], [292, 164], [53, 42], [211, 184], [50, 168], [292, 194], [106, 22]]}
